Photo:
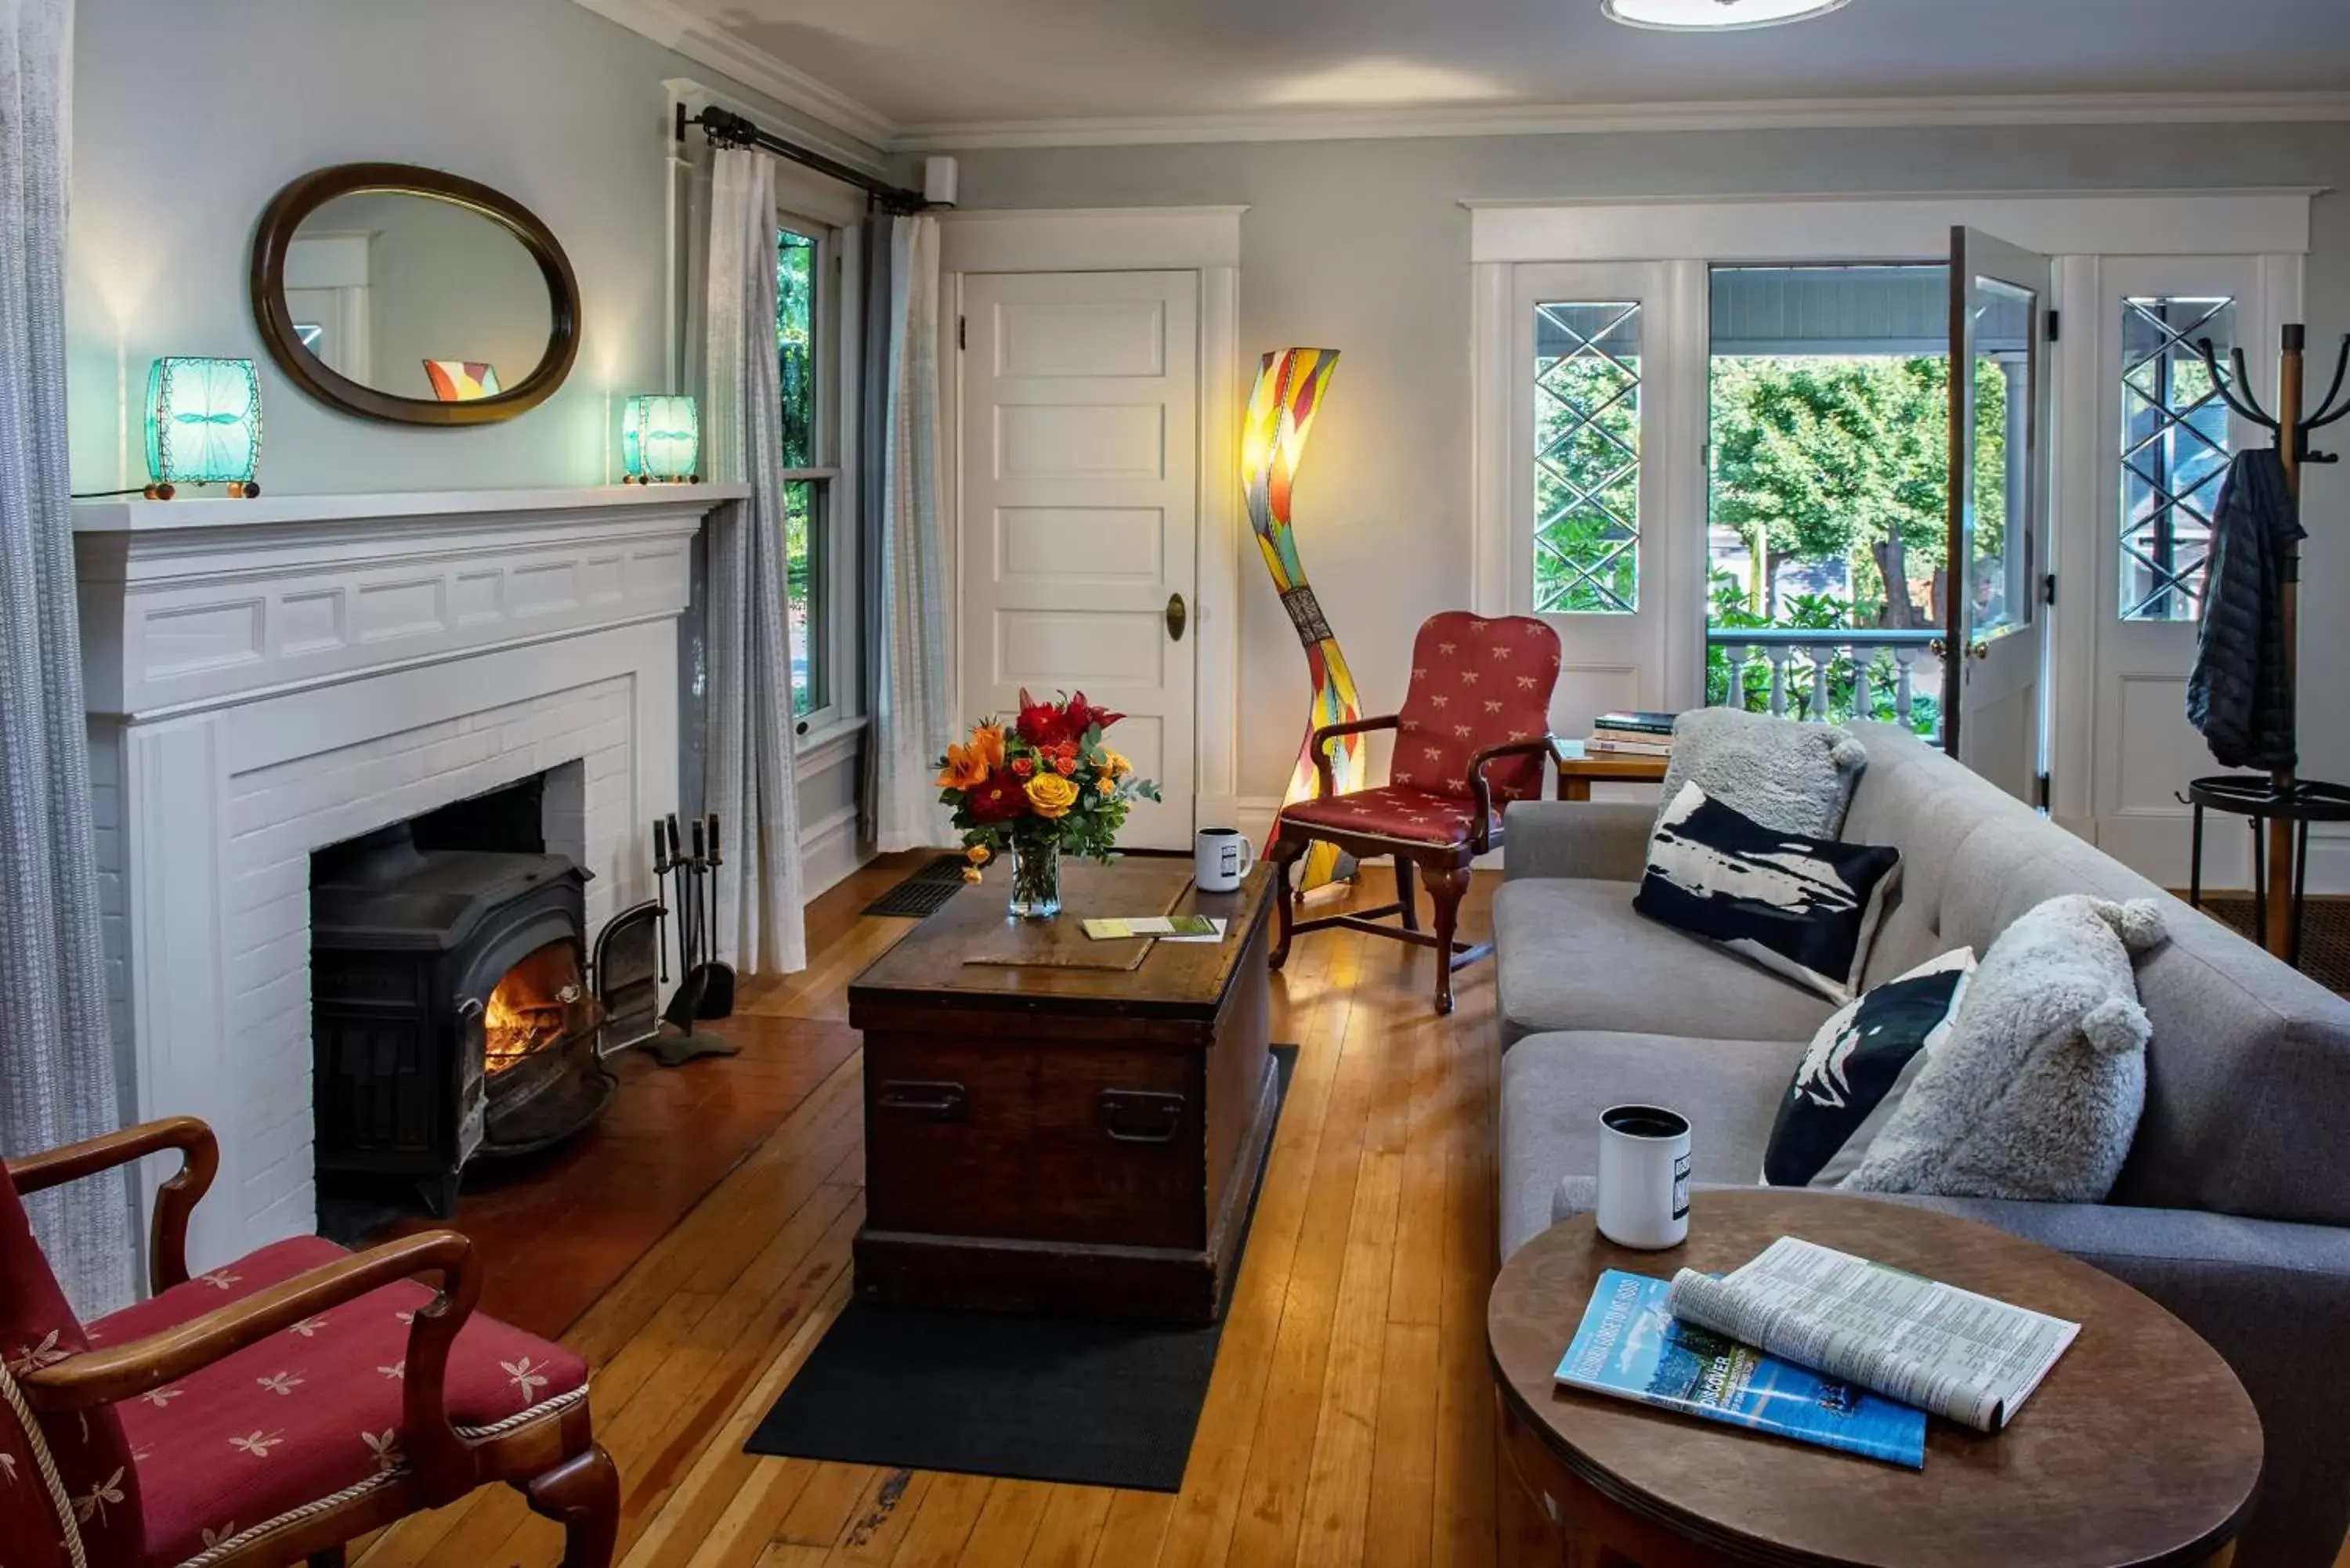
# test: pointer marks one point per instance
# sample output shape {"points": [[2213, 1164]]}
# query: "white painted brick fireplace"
{"points": [[269, 676]]}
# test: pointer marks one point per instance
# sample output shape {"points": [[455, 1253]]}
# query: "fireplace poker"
{"points": [[717, 989], [660, 897]]}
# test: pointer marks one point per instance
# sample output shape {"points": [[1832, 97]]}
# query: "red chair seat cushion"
{"points": [[310, 1411], [1393, 810]]}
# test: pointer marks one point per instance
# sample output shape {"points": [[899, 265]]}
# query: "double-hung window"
{"points": [[808, 332]]}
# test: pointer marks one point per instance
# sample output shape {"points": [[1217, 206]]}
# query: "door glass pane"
{"points": [[1997, 573], [1588, 457], [795, 344], [2174, 451]]}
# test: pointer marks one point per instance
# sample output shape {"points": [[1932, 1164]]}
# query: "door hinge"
{"points": [[2048, 589], [963, 332], [2040, 787], [2055, 321]]}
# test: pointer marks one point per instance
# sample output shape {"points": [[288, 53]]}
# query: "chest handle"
{"points": [[924, 1102], [1140, 1115]]}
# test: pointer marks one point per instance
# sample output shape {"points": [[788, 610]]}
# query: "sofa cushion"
{"points": [[1573, 955], [2038, 1092], [1857, 1070], [1554, 1088], [1795, 777], [1801, 906]]}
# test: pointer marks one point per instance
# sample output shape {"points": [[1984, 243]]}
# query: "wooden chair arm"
{"points": [[1480, 831], [443, 1462], [167, 1242], [1320, 745]]}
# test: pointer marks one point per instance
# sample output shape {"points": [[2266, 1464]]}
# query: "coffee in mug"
{"points": [[1644, 1176], [1220, 856]]}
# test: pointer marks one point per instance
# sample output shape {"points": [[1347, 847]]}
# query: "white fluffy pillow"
{"points": [[2038, 1091], [1791, 776]]}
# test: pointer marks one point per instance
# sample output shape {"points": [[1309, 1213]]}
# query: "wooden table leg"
{"points": [[1572, 788]]}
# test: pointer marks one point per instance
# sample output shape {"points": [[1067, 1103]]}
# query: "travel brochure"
{"points": [[1808, 1342]]}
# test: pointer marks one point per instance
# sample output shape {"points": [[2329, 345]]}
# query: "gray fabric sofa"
{"points": [[2234, 1208]]}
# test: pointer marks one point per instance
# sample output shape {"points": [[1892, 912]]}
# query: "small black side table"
{"points": [[2256, 798]]}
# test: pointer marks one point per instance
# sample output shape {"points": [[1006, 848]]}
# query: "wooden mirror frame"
{"points": [[306, 195]]}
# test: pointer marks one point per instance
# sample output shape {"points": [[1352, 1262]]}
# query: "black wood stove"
{"points": [[452, 1013]]}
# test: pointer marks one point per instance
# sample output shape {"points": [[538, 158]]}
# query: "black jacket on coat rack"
{"points": [[2240, 692]]}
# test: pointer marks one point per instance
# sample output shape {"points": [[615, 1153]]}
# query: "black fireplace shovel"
{"points": [[718, 976]]}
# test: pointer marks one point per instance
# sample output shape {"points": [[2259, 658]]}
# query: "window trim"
{"points": [[840, 315]]}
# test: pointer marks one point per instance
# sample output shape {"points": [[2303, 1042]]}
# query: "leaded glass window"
{"points": [[1588, 457], [2174, 451]]}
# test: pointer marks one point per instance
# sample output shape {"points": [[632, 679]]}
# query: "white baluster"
{"points": [[1821, 658], [1903, 657], [1777, 654], [1864, 701]]}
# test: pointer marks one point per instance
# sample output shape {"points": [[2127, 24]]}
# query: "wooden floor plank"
{"points": [[1006, 1525], [942, 1523], [1070, 1529], [1136, 1527]]}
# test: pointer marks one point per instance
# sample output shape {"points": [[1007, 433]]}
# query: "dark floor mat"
{"points": [[2325, 935], [1046, 1399], [925, 892]]}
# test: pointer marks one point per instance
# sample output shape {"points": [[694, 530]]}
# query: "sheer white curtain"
{"points": [[910, 723], [749, 781], [57, 1052]]}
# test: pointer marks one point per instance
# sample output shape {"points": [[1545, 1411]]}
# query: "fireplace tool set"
{"points": [[705, 983]]}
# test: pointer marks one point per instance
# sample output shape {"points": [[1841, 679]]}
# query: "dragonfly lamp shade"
{"points": [[661, 438], [203, 424]]}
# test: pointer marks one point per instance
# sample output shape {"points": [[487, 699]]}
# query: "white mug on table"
{"points": [[1220, 858], [1644, 1177]]}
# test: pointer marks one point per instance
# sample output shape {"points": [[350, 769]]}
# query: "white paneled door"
{"points": [[1078, 522]]}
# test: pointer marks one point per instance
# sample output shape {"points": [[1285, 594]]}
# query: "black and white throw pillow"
{"points": [[1806, 907], [1858, 1069]]}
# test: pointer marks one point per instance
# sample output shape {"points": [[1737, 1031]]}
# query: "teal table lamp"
{"points": [[661, 440], [203, 425]]}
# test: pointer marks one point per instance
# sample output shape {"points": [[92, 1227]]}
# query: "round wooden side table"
{"points": [[2140, 1449]]}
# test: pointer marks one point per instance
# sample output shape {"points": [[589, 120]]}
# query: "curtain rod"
{"points": [[726, 128]]}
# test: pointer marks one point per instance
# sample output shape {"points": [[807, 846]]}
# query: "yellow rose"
{"points": [[1114, 766], [979, 855], [1052, 795]]}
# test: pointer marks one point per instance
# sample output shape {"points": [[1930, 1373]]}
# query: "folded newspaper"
{"points": [[1961, 1355]]}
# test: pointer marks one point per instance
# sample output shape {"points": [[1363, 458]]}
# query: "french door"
{"points": [[1995, 647]]}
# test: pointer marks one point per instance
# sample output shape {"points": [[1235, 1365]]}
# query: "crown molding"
{"points": [[674, 29], [1552, 120]]}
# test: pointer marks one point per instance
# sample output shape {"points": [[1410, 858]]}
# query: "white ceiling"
{"points": [[932, 66]]}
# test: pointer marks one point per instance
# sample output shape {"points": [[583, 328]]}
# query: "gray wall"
{"points": [[188, 115], [1364, 248]]}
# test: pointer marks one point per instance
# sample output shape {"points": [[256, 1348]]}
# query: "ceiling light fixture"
{"points": [[1714, 15]]}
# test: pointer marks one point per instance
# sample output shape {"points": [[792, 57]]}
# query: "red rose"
{"points": [[1023, 766], [999, 799], [1064, 766]]}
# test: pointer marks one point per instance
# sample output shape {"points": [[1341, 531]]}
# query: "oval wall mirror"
{"points": [[405, 293]]}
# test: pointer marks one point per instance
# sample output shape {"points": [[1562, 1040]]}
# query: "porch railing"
{"points": [[1835, 675]]}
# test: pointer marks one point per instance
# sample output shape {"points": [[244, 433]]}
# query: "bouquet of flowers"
{"points": [[1046, 785]]}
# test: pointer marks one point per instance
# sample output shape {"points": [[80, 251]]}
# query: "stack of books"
{"points": [[1637, 734]]}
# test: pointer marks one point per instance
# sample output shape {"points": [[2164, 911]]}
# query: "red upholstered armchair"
{"points": [[1471, 738], [267, 1412]]}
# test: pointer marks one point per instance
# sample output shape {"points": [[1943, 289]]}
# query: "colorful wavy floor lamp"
{"points": [[1289, 389]]}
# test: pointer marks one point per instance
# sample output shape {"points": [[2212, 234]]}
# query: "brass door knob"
{"points": [[1979, 651], [1938, 648], [1178, 618]]}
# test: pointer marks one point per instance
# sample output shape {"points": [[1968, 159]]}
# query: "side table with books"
{"points": [[2140, 1447], [1624, 747]]}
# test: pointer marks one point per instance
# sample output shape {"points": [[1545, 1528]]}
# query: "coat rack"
{"points": [[2284, 804]]}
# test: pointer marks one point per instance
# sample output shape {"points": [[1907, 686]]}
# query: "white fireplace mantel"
{"points": [[268, 677], [187, 604]]}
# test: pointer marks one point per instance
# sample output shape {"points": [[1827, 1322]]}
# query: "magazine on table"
{"points": [[1967, 1357], [1630, 1345]]}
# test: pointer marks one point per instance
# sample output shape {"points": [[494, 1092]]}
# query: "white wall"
{"points": [[188, 115], [1362, 246]]}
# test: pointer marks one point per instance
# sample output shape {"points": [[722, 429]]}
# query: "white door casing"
{"points": [[1079, 517]]}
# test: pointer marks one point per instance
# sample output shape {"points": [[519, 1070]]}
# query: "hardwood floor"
{"points": [[1350, 1415], [1349, 1420]]}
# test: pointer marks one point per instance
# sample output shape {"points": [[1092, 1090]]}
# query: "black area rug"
{"points": [[2324, 934], [1031, 1398], [924, 892]]}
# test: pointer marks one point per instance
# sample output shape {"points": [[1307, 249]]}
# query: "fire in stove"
{"points": [[541, 1004]]}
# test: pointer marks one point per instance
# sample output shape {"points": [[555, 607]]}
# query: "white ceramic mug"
{"points": [[1644, 1174], [1220, 856]]}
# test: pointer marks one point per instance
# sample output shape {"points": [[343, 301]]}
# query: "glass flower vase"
{"points": [[1035, 878]]}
